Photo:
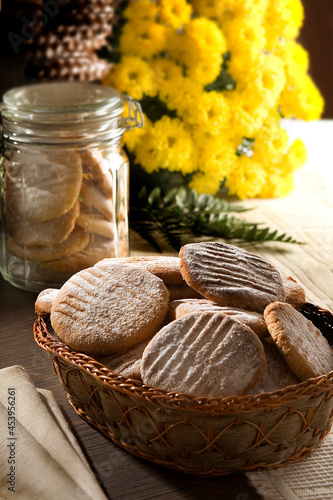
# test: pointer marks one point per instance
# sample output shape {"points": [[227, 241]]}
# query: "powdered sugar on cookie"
{"points": [[303, 346], [230, 276], [204, 354], [109, 310]]}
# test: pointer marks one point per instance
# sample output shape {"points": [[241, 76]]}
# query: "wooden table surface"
{"points": [[121, 475]]}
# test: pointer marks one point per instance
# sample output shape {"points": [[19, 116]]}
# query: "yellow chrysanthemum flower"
{"points": [[283, 19], [141, 9], [280, 173], [277, 186], [213, 9], [247, 178], [280, 166], [168, 76], [204, 70], [180, 151], [270, 145], [201, 39], [164, 68], [132, 76], [309, 103], [294, 18], [170, 55], [294, 56], [245, 9], [216, 159], [247, 113], [175, 13], [265, 79], [216, 153], [238, 68], [204, 35], [167, 145], [211, 114], [184, 98], [200, 49], [205, 183], [246, 6], [148, 151], [245, 38], [296, 155], [144, 39]]}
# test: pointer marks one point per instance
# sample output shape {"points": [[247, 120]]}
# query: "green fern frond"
{"points": [[182, 213]]}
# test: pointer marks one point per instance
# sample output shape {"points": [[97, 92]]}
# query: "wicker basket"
{"points": [[202, 436]]}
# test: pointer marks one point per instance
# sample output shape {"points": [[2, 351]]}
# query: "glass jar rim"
{"points": [[54, 100]]}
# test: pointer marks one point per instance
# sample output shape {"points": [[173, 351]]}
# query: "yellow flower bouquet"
{"points": [[214, 78]]}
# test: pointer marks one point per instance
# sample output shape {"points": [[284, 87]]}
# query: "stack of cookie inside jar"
{"points": [[64, 180]]}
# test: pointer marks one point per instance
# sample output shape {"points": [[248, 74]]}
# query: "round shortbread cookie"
{"points": [[305, 349], [98, 248], [204, 354], [102, 311], [231, 276], [45, 300], [164, 267], [93, 162], [76, 241], [252, 319], [44, 186], [93, 197], [93, 222], [277, 374], [294, 293], [127, 364], [50, 232]]}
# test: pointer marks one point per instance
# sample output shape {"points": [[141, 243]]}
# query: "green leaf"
{"points": [[154, 108], [181, 213]]}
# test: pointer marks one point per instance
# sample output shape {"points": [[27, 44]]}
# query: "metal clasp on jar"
{"points": [[134, 117]]}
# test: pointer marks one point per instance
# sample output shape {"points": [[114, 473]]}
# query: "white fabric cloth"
{"points": [[311, 479], [40, 458]]}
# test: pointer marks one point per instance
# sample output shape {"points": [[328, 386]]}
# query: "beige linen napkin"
{"points": [[40, 458], [311, 479]]}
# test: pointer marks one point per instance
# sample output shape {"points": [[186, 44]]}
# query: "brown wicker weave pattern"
{"points": [[204, 436]]}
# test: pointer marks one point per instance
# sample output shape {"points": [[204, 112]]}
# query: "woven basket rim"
{"points": [[177, 400]]}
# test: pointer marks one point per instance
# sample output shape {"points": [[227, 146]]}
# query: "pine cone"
{"points": [[73, 68], [68, 40], [66, 47]]}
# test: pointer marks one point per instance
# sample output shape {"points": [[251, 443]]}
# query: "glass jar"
{"points": [[63, 180]]}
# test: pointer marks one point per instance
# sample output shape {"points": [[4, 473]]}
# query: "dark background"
{"points": [[316, 37]]}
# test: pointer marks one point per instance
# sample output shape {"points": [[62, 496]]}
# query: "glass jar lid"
{"points": [[62, 101], [67, 111]]}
